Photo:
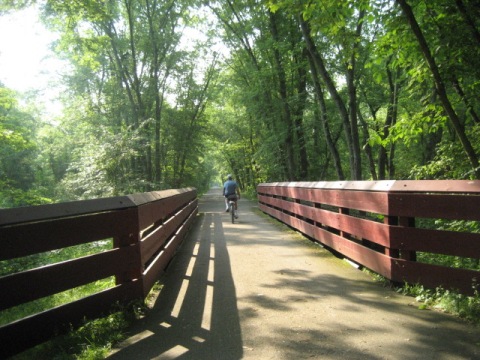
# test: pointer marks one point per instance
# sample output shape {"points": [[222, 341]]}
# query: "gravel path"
{"points": [[252, 290]]}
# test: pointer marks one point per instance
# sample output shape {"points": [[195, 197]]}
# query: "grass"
{"points": [[463, 306], [95, 339], [448, 301]]}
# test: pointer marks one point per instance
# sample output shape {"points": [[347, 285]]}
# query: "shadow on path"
{"points": [[250, 290], [197, 308]]}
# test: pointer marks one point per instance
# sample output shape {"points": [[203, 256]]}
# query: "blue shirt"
{"points": [[229, 188]]}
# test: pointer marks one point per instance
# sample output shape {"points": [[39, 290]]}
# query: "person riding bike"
{"points": [[231, 192]]}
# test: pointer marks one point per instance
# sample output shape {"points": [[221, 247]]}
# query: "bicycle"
{"points": [[231, 207]]}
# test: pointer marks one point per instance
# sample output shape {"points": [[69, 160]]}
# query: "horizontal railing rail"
{"points": [[144, 231], [389, 227]]}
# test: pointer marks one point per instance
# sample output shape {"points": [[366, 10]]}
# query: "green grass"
{"points": [[463, 306], [93, 340], [448, 301]]}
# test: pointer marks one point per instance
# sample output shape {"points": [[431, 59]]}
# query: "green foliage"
{"points": [[144, 113], [18, 154], [7, 6], [449, 161], [463, 306]]}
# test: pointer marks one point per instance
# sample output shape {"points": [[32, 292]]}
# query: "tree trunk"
{"points": [[324, 120], [298, 115], [390, 119], [368, 148], [352, 95], [322, 70], [440, 87], [282, 89], [468, 19]]}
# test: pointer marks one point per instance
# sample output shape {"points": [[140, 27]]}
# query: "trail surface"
{"points": [[252, 290]]}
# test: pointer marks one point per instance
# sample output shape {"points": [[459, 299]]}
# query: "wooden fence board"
{"points": [[160, 262], [371, 259], [433, 276], [435, 206], [33, 238], [341, 216], [33, 284], [51, 227], [362, 228], [156, 239], [435, 241], [61, 210], [360, 200], [164, 207]]}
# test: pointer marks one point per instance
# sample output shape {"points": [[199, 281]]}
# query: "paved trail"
{"points": [[251, 290]]}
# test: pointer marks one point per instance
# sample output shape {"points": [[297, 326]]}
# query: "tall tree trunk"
{"points": [[282, 89], [390, 119], [299, 109], [352, 95], [466, 101], [440, 87], [322, 70], [324, 119], [468, 19], [368, 148]]}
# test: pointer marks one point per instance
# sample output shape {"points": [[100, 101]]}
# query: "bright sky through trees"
{"points": [[26, 61]]}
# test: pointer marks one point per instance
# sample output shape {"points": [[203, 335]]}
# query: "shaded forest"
{"points": [[168, 94]]}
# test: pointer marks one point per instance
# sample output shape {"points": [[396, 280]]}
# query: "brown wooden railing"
{"points": [[145, 229], [384, 225]]}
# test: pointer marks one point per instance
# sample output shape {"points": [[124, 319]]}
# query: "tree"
{"points": [[18, 153], [127, 63], [440, 87]]}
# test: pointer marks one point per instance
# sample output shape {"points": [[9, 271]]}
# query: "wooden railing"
{"points": [[145, 229], [387, 226]]}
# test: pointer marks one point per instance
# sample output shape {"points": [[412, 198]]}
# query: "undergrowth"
{"points": [[95, 339], [91, 341], [466, 307]]}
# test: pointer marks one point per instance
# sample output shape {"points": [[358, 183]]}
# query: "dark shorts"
{"points": [[232, 197]]}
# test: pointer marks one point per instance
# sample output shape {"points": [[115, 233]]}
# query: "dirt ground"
{"points": [[253, 290]]}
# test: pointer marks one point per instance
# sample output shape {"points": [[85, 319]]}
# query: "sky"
{"points": [[26, 61]]}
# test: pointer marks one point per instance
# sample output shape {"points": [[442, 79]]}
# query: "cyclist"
{"points": [[231, 191]]}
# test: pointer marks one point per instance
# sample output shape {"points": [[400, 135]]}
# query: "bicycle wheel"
{"points": [[232, 211]]}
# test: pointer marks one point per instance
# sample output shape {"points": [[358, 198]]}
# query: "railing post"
{"points": [[391, 220], [407, 222], [344, 211], [131, 237], [317, 206]]}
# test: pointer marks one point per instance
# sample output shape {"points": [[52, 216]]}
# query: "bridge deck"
{"points": [[254, 291]]}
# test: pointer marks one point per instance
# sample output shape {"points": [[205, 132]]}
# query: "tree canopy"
{"points": [[167, 94]]}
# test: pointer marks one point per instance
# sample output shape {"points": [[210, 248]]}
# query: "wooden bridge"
{"points": [[375, 224]]}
